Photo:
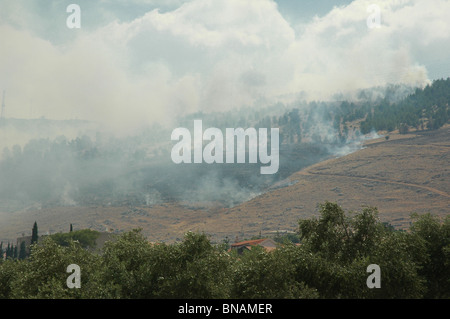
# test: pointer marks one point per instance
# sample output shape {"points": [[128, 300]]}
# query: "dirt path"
{"points": [[436, 191]]}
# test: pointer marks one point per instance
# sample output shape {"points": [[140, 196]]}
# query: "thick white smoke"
{"points": [[208, 55]]}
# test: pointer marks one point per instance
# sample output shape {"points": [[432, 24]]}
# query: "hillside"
{"points": [[405, 174]]}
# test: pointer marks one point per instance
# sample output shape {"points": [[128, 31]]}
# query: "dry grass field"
{"points": [[405, 174]]}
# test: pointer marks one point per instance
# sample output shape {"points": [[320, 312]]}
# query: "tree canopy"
{"points": [[330, 261]]}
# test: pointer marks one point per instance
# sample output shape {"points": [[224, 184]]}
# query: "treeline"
{"points": [[426, 108], [66, 172], [331, 122], [137, 171], [86, 238], [330, 262], [13, 252]]}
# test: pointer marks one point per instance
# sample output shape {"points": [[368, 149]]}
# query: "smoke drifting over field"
{"points": [[75, 163], [118, 86]]}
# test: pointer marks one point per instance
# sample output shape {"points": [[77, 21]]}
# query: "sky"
{"points": [[133, 63]]}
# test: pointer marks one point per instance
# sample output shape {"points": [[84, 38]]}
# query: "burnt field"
{"points": [[402, 175]]}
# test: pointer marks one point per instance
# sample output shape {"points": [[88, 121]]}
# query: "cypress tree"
{"points": [[22, 251], [34, 234]]}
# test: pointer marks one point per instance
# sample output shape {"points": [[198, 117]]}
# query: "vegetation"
{"points": [[327, 258], [34, 234], [121, 171], [330, 262], [85, 237], [426, 108]]}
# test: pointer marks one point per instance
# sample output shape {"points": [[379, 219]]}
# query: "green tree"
{"points": [[400, 278], [86, 237], [125, 266], [342, 246], [43, 274], [192, 269], [202, 270], [9, 251], [327, 235], [8, 272], [330, 278], [261, 274], [22, 250], [34, 234], [435, 266]]}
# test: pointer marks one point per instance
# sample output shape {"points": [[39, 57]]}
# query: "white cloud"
{"points": [[339, 52], [215, 55]]}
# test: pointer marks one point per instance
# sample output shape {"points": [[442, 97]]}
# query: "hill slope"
{"points": [[405, 174]]}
